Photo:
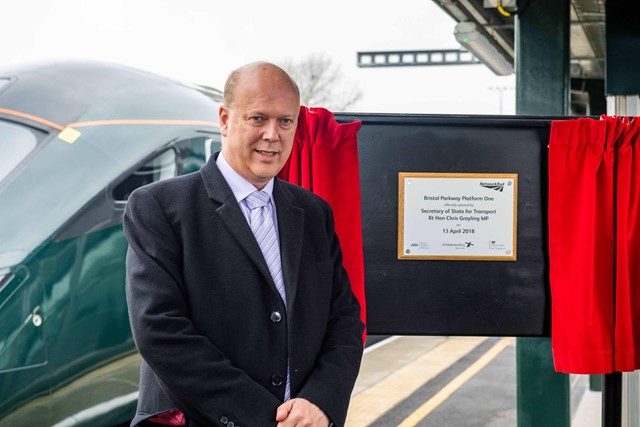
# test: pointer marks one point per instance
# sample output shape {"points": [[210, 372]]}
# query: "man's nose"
{"points": [[271, 131]]}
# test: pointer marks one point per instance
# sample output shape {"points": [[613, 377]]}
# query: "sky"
{"points": [[201, 41]]}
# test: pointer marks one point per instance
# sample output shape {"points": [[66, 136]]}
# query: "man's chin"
{"points": [[267, 173], [261, 179]]}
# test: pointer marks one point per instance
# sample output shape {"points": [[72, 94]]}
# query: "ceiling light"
{"points": [[469, 36]]}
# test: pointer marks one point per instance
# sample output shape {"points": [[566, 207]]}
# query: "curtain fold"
{"points": [[594, 245], [627, 297], [324, 160], [581, 247]]}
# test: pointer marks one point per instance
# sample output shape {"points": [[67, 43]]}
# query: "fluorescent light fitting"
{"points": [[468, 35]]}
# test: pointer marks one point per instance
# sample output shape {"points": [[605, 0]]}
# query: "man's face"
{"points": [[259, 126]]}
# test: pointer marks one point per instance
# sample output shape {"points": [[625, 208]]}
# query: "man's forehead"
{"points": [[265, 76], [259, 110], [271, 99]]}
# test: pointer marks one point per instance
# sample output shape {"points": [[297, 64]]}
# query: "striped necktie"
{"points": [[261, 222]]}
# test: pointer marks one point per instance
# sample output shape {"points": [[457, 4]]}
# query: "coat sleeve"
{"points": [[331, 382], [190, 369]]}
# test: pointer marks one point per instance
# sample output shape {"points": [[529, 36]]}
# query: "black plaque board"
{"points": [[435, 297]]}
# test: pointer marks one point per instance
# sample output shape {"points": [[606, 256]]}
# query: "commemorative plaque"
{"points": [[460, 216]]}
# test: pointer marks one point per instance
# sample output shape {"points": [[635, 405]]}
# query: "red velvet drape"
{"points": [[594, 245], [627, 302], [324, 160]]}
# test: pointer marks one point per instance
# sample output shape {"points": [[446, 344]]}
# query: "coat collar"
{"points": [[215, 184], [290, 226]]}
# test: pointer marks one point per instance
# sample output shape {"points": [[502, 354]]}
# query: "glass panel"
{"points": [[211, 145], [157, 169], [631, 399], [586, 400], [60, 178], [16, 142]]}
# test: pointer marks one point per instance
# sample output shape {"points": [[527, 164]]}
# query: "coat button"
{"points": [[276, 380], [230, 424], [276, 317], [224, 420]]}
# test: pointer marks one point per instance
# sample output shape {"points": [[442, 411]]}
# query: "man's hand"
{"points": [[300, 413]]}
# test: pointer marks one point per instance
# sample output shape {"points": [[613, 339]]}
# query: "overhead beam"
{"points": [[412, 58]]}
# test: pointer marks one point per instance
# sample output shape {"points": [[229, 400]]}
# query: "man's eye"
{"points": [[286, 122], [256, 118]]}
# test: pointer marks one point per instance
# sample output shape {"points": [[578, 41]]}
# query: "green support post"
{"points": [[542, 58], [595, 383], [542, 88], [543, 395]]}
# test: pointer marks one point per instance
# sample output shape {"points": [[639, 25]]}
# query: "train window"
{"points": [[4, 82], [106, 208], [211, 145], [207, 149], [16, 142], [160, 167]]}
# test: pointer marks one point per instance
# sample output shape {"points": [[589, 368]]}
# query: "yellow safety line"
{"points": [[446, 392], [393, 382]]}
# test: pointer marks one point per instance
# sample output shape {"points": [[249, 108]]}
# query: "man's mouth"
{"points": [[267, 153]]}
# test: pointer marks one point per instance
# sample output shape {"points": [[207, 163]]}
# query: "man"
{"points": [[233, 333]]}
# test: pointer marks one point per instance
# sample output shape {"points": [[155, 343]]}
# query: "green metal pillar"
{"points": [[543, 395], [542, 88], [542, 58]]}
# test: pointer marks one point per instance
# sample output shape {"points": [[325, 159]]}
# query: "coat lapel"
{"points": [[229, 211], [291, 233]]}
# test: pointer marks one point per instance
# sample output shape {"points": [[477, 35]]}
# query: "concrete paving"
{"points": [[443, 381]]}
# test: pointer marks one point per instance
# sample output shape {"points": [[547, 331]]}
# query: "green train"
{"points": [[76, 138]]}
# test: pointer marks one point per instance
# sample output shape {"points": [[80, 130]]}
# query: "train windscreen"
{"points": [[16, 142]]}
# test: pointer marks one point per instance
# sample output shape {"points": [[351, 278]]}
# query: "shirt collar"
{"points": [[240, 187]]}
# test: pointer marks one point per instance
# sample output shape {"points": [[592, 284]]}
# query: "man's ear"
{"points": [[224, 120]]}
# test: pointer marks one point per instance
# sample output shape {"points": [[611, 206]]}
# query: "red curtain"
{"points": [[324, 160], [594, 245], [627, 302]]}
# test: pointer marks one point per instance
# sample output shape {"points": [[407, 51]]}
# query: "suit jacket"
{"points": [[212, 329]]}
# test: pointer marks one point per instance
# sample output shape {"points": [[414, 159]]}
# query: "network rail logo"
{"points": [[497, 186]]}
